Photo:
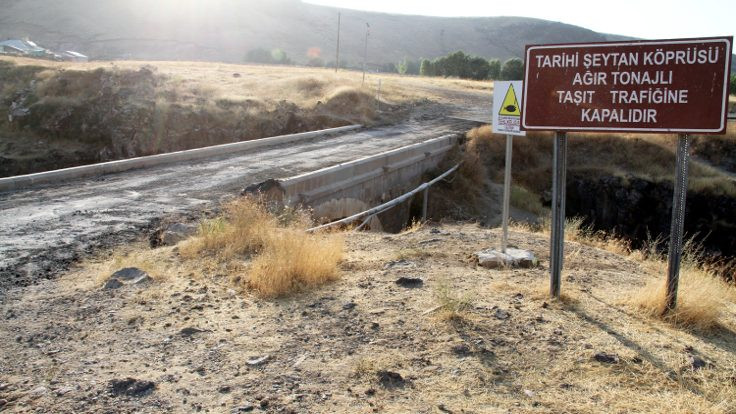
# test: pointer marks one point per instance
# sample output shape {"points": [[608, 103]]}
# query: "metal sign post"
{"points": [[507, 120], [507, 193], [557, 240], [678, 221]]}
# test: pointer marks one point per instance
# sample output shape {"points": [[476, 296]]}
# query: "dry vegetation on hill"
{"points": [[649, 156], [68, 114]]}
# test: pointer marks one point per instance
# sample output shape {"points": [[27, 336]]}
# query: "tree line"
{"points": [[461, 65], [457, 64]]}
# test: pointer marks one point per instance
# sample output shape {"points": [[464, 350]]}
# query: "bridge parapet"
{"points": [[349, 188]]}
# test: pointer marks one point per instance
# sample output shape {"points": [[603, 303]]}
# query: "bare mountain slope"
{"points": [[224, 30]]}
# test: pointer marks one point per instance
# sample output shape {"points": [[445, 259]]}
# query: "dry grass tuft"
{"points": [[413, 227], [284, 257], [453, 306], [702, 299], [294, 260], [242, 231]]}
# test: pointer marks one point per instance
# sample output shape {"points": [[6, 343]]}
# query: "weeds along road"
{"points": [[45, 229]]}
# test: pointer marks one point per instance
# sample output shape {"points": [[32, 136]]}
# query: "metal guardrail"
{"points": [[368, 214]]}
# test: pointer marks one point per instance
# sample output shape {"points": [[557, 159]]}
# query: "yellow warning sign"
{"points": [[510, 106]]}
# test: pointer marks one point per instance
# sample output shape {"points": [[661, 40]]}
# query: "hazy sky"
{"points": [[649, 19]]}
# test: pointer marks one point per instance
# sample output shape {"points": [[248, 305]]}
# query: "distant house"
{"points": [[73, 56], [23, 48]]}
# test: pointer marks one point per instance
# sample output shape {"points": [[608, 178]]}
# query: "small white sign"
{"points": [[507, 107]]}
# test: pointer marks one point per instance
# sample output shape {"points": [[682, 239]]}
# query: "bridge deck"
{"points": [[52, 224]]}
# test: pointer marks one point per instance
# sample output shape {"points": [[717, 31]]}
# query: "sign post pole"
{"points": [[678, 221], [558, 213], [506, 119], [507, 193]]}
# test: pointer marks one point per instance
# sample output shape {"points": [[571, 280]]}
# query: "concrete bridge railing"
{"points": [[348, 188]]}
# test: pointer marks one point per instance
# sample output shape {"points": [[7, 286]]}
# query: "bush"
{"points": [[733, 84]]}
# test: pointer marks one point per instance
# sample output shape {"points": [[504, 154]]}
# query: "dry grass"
{"points": [[526, 200], [305, 86], [648, 156], [284, 257], [702, 299], [412, 254], [541, 358], [150, 261], [243, 231], [293, 261], [703, 295], [452, 305]]}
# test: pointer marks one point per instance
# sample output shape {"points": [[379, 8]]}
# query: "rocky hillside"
{"points": [[227, 29]]}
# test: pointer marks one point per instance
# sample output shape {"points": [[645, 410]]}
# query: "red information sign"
{"points": [[634, 86]]}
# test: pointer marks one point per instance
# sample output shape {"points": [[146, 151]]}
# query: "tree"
{"points": [[478, 68], [733, 84], [457, 64], [426, 68], [494, 70], [408, 67], [273, 57], [513, 69]]}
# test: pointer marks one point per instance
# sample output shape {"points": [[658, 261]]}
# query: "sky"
{"points": [[647, 19]]}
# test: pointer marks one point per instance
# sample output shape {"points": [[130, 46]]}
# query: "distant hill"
{"points": [[225, 30]]}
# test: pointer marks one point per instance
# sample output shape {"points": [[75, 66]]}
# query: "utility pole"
{"points": [[337, 53], [365, 49]]}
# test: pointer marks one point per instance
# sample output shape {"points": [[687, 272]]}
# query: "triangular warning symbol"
{"points": [[510, 106]]}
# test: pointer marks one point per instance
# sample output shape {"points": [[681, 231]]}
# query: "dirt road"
{"points": [[44, 230]]}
